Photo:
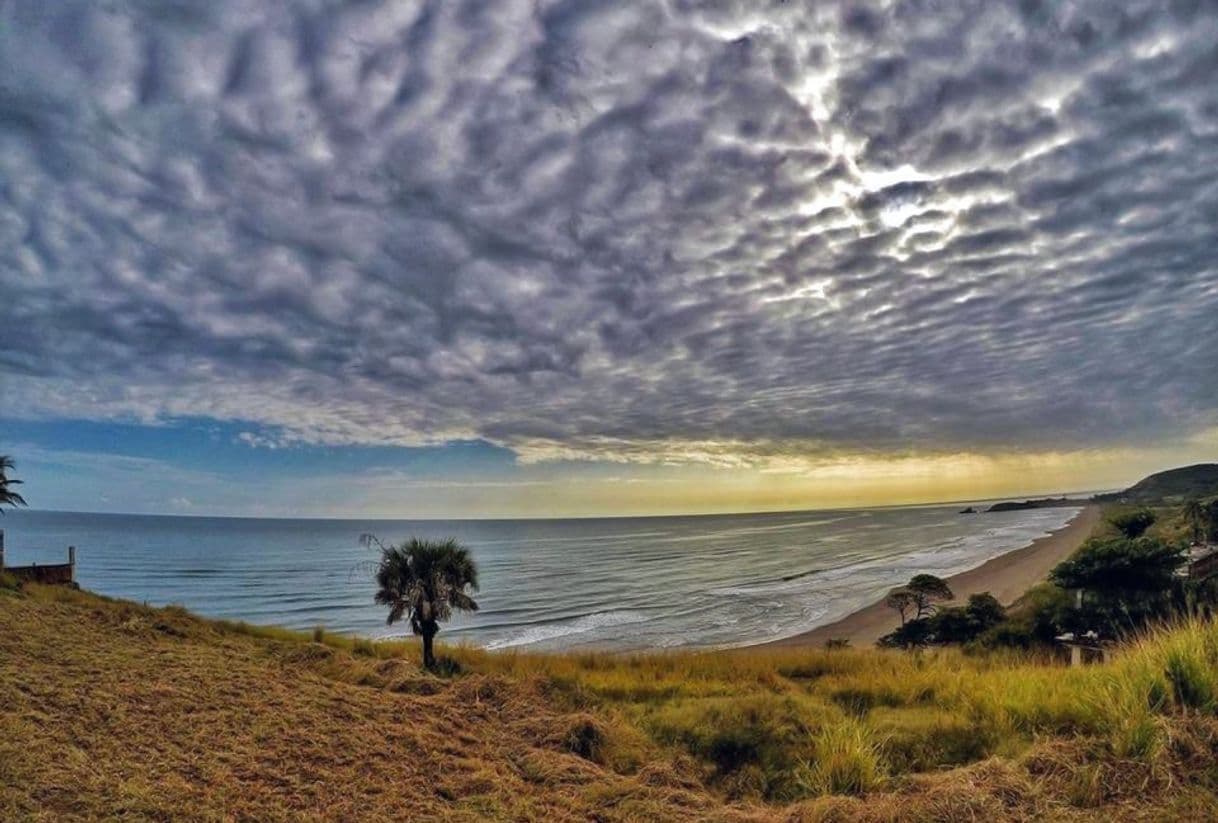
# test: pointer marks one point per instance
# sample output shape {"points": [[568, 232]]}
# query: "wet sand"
{"points": [[1006, 577]]}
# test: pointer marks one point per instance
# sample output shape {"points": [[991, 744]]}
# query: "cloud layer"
{"points": [[726, 231]]}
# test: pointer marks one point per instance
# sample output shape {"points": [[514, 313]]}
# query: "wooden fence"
{"points": [[54, 573]]}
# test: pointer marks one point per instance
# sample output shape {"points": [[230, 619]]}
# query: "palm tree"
{"points": [[424, 581], [1195, 517], [8, 497]]}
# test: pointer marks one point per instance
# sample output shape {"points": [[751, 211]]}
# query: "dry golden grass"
{"points": [[112, 710]]}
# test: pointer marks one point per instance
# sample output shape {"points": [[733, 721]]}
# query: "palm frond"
{"points": [[8, 497], [424, 580]]}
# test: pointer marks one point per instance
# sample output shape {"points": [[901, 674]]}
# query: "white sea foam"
{"points": [[580, 625]]}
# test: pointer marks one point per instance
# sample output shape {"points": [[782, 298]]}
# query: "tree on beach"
{"points": [[425, 581], [926, 590], [919, 596], [8, 495], [901, 601]]}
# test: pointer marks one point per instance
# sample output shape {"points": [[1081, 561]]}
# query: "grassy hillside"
{"points": [[1173, 486], [110, 709]]}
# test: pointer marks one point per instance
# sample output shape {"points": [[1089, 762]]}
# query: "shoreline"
{"points": [[1008, 577]]}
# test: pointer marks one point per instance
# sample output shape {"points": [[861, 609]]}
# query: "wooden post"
{"points": [[72, 562], [1076, 656]]}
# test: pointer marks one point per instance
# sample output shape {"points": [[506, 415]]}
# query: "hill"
{"points": [[1172, 486], [1039, 503], [114, 710]]}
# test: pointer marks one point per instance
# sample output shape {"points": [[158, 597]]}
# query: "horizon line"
{"points": [[1089, 494]]}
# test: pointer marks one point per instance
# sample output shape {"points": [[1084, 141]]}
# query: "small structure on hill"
{"points": [[60, 573], [1202, 561], [1086, 647]]}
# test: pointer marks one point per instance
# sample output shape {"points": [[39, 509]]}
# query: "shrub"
{"points": [[1009, 634], [910, 635], [1134, 523]]}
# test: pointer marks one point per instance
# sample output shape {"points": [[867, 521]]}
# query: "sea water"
{"points": [[612, 583]]}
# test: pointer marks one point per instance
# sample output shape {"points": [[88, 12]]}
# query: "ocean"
{"points": [[613, 583]]}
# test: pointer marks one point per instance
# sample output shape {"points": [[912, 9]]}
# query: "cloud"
{"points": [[633, 231]]}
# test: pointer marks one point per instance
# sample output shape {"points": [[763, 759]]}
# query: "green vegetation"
{"points": [[915, 603], [1133, 523], [1128, 575], [1124, 583], [8, 495], [920, 594], [935, 625], [1201, 520], [423, 581]]}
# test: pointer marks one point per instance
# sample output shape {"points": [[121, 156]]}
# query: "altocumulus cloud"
{"points": [[728, 231]]}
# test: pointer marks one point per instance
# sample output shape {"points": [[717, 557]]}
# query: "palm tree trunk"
{"points": [[429, 633]]}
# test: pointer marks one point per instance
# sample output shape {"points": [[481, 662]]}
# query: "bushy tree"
{"points": [[1145, 564], [961, 624], [985, 610], [951, 625], [8, 494], [1125, 582], [425, 581]]}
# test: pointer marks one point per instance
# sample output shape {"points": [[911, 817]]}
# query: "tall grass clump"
{"points": [[1131, 702], [846, 759], [754, 743], [1190, 662]]}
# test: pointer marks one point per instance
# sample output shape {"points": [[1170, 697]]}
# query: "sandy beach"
{"points": [[1006, 577]]}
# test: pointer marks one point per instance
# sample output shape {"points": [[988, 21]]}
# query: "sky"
{"points": [[593, 257]]}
